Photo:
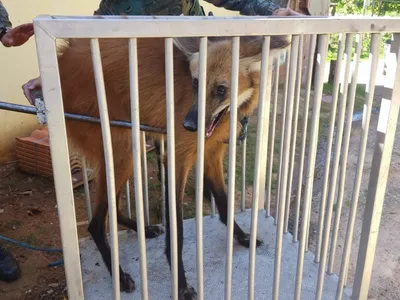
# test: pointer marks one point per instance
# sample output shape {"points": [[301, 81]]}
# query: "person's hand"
{"points": [[31, 86], [18, 36], [285, 12]]}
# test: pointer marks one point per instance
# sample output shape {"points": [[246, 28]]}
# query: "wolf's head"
{"points": [[218, 81]]}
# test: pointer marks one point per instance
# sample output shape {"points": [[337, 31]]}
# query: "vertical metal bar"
{"points": [[137, 172], [319, 83], [200, 165], [145, 181], [169, 70], [261, 156], [128, 200], [294, 132], [232, 164], [263, 172], [304, 134], [283, 187], [212, 206], [329, 143], [308, 228], [49, 72], [108, 155], [386, 130], [272, 139], [345, 149], [286, 85], [243, 196], [333, 182], [162, 147], [87, 190], [369, 97]]}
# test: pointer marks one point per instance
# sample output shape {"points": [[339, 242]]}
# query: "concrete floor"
{"points": [[98, 285]]}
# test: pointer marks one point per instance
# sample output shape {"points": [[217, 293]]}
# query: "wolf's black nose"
{"points": [[190, 121], [190, 125]]}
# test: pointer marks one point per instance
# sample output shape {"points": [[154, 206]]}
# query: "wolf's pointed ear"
{"points": [[250, 53], [251, 49], [188, 45], [252, 45]]}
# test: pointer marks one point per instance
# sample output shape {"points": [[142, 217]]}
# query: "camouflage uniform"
{"points": [[186, 7], [168, 7], [4, 20]]}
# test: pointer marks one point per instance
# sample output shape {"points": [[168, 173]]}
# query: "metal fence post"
{"points": [[47, 56], [386, 130]]}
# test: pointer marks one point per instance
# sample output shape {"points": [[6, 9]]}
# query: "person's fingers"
{"points": [[35, 83], [30, 86], [286, 12], [27, 93], [282, 12], [26, 33], [294, 13], [18, 35], [24, 27]]}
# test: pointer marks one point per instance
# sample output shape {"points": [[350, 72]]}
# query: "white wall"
{"points": [[19, 64], [217, 11], [319, 7]]}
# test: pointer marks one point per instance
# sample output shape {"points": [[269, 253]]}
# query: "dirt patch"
{"points": [[387, 260], [386, 268], [29, 214]]}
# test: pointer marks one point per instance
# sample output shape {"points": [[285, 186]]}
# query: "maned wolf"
{"points": [[79, 96]]}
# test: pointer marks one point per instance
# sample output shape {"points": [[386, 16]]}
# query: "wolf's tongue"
{"points": [[210, 129], [214, 123]]}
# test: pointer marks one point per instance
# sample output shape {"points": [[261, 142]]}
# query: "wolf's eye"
{"points": [[195, 83], [221, 90]]}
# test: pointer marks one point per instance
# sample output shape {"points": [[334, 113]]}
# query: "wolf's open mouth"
{"points": [[215, 121]]}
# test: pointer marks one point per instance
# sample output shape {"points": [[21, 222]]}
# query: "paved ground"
{"points": [[98, 284], [386, 270]]}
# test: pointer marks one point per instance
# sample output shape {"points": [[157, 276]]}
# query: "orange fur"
{"points": [[79, 96]]}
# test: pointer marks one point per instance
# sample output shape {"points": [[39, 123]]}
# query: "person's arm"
{"points": [[12, 37], [253, 7], [4, 20]]}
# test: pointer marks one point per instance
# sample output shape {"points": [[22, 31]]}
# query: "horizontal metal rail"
{"points": [[193, 26], [50, 28], [115, 123]]}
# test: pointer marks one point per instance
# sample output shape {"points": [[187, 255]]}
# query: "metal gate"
{"points": [[316, 32]]}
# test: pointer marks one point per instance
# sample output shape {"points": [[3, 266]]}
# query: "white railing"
{"points": [[316, 31]]}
